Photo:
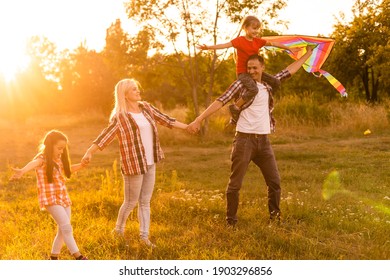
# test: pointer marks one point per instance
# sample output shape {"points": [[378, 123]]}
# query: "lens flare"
{"points": [[331, 185]]}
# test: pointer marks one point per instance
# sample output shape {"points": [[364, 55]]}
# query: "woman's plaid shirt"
{"points": [[237, 89], [132, 152]]}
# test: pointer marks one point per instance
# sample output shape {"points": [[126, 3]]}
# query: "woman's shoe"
{"points": [[148, 243], [117, 234]]}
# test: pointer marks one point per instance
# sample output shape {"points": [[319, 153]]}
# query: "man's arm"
{"points": [[195, 125], [294, 67]]}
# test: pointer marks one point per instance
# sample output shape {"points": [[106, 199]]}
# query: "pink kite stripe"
{"points": [[313, 64]]}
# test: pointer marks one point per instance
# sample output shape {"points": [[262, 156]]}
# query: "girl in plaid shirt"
{"points": [[134, 123], [51, 164]]}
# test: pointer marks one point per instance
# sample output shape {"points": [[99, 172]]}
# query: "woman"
{"points": [[133, 122]]}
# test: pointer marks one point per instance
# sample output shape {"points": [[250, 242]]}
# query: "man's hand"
{"points": [[194, 127]]}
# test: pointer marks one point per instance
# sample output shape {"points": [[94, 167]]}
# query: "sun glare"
{"points": [[12, 61]]}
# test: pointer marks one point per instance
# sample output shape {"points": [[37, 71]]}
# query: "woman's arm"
{"points": [[18, 173], [180, 125], [88, 154], [103, 140]]}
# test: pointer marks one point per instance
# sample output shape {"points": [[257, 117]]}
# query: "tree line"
{"points": [[70, 81]]}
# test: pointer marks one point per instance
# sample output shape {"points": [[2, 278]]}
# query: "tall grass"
{"points": [[307, 110], [335, 190]]}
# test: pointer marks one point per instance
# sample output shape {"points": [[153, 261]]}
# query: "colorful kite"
{"points": [[321, 51]]}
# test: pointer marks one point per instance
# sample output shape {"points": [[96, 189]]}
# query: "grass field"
{"points": [[335, 193]]}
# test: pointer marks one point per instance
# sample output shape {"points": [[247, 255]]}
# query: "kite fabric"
{"points": [[322, 47]]}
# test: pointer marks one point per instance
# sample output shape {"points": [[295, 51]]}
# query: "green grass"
{"points": [[335, 196]]}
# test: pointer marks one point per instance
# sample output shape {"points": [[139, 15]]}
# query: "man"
{"points": [[251, 142]]}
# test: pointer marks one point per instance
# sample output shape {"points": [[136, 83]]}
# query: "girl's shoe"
{"points": [[81, 258]]}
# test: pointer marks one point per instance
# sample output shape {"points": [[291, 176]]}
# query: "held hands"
{"points": [[84, 163], [18, 173], [194, 127], [86, 159]]}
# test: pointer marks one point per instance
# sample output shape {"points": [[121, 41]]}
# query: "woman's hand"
{"points": [[86, 159], [18, 173], [194, 127]]}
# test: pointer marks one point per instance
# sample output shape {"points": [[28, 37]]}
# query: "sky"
{"points": [[67, 23]]}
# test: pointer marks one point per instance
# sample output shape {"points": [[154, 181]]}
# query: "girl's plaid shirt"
{"points": [[237, 89], [132, 152], [51, 193]]}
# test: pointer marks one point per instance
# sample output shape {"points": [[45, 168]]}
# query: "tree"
{"points": [[86, 81], [116, 51], [87, 78], [360, 54], [381, 58], [181, 24]]}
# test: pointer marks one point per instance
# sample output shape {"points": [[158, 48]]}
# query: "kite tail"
{"points": [[334, 82]]}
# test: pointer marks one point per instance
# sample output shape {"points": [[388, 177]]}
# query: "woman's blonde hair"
{"points": [[121, 89]]}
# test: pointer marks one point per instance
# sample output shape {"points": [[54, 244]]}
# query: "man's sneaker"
{"points": [[234, 112], [275, 219], [271, 80], [231, 225]]}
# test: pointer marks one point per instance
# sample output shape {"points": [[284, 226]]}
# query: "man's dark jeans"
{"points": [[256, 148]]}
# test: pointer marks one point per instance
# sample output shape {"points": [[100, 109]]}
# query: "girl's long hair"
{"points": [[47, 147], [121, 89], [246, 21]]}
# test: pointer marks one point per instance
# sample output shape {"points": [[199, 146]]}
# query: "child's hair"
{"points": [[121, 89], [48, 142], [248, 21]]}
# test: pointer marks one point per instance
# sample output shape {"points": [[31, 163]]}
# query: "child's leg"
{"points": [[57, 244], [251, 87], [251, 91], [271, 80], [132, 188], [62, 215]]}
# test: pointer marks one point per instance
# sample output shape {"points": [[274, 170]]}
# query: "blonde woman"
{"points": [[134, 123]]}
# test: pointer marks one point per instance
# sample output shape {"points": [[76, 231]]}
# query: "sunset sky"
{"points": [[67, 23]]}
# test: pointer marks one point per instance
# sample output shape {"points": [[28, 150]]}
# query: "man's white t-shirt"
{"points": [[256, 118], [146, 132]]}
